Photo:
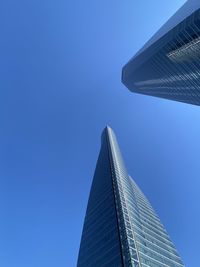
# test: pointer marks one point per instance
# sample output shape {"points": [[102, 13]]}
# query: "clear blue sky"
{"points": [[60, 71]]}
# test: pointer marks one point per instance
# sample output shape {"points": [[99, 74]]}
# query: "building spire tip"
{"points": [[108, 127]]}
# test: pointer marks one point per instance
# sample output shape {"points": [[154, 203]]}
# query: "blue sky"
{"points": [[60, 72]]}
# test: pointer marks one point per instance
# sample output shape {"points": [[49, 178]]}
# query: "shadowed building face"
{"points": [[168, 66], [121, 229]]}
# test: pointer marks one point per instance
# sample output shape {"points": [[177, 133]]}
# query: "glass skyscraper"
{"points": [[121, 229], [168, 65]]}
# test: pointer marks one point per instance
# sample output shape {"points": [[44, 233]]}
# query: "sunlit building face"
{"points": [[168, 66], [121, 228]]}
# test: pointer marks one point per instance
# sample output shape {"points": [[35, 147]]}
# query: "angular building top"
{"points": [[168, 65], [121, 229]]}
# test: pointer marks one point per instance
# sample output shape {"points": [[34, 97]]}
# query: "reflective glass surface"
{"points": [[121, 229], [168, 65]]}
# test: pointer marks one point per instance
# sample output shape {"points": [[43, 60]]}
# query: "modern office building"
{"points": [[121, 229], [168, 66]]}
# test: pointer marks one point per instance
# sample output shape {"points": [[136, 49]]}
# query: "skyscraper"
{"points": [[168, 66], [121, 229]]}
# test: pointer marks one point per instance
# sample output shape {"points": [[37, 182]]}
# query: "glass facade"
{"points": [[121, 229], [168, 66]]}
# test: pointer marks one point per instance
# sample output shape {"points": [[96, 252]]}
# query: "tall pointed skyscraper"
{"points": [[121, 229], [168, 65]]}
